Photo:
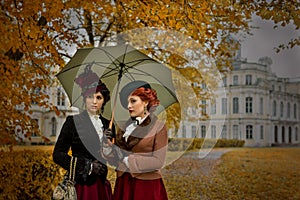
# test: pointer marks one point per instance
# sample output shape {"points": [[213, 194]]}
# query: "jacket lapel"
{"points": [[139, 133]]}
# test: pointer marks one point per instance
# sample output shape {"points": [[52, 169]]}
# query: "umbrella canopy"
{"points": [[117, 66]]}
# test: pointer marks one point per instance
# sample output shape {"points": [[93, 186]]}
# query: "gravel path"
{"points": [[207, 163]]}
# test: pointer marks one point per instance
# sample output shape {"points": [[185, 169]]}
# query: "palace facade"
{"points": [[253, 105]]}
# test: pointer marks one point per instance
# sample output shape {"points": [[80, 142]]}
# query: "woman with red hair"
{"points": [[141, 146]]}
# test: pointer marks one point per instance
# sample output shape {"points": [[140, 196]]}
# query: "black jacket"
{"points": [[79, 134]]}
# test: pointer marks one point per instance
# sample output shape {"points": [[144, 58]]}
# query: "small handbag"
{"points": [[66, 189]]}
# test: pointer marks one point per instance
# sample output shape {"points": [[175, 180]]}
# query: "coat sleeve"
{"points": [[63, 144], [150, 160]]}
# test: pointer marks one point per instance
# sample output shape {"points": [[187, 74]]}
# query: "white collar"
{"points": [[139, 120]]}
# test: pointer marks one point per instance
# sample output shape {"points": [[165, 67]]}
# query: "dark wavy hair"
{"points": [[101, 87]]}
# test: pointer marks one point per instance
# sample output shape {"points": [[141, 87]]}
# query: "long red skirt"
{"points": [[129, 188], [97, 191]]}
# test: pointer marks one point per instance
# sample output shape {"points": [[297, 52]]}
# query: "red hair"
{"points": [[147, 94]]}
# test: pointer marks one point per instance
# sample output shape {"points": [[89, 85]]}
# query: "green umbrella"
{"points": [[117, 66]]}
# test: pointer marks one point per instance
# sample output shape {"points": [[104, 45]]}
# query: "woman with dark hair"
{"points": [[141, 146], [83, 135]]}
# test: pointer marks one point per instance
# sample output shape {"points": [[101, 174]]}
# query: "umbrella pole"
{"points": [[114, 107], [122, 65]]}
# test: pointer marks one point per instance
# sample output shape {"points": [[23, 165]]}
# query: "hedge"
{"points": [[181, 144]]}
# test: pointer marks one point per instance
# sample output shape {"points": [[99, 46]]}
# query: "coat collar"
{"points": [[140, 132]]}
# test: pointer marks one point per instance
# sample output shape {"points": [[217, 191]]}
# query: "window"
{"points": [[194, 132], [235, 130], [274, 108], [249, 132], [60, 97], [248, 104], [261, 132], [203, 131], [213, 109], [281, 109], [288, 113], [261, 105], [248, 79], [213, 131], [283, 134], [276, 134], [35, 123], [36, 93], [184, 131], [296, 134], [53, 126], [224, 81], [235, 80], [224, 105], [295, 111], [235, 105], [224, 132]]}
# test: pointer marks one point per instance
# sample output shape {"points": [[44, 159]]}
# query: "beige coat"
{"points": [[146, 148]]}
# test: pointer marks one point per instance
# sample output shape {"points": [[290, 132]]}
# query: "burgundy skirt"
{"points": [[97, 191], [129, 188]]}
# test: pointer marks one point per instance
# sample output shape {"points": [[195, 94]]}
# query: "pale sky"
{"points": [[286, 63]]}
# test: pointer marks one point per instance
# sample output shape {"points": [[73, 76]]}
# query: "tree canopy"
{"points": [[36, 38]]}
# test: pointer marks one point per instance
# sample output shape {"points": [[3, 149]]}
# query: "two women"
{"points": [[139, 150]]}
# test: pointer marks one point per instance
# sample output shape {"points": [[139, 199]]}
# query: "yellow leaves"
{"points": [[240, 174]]}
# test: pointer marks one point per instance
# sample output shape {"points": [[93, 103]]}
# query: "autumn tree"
{"points": [[36, 38]]}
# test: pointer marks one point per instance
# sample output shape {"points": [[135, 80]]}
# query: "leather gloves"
{"points": [[98, 168], [108, 134]]}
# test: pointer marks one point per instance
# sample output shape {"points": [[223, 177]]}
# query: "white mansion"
{"points": [[253, 105], [257, 106]]}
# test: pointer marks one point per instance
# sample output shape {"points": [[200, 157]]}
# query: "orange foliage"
{"points": [[36, 38]]}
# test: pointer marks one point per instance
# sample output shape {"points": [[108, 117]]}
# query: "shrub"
{"points": [[28, 175]]}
